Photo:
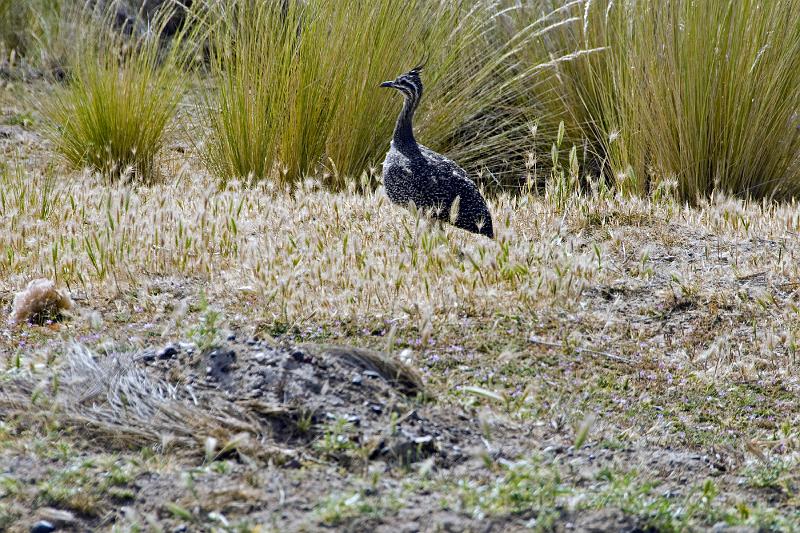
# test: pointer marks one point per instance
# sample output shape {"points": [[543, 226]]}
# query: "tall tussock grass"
{"points": [[122, 96], [704, 93], [296, 85]]}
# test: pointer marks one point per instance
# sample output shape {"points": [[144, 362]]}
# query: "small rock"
{"points": [[220, 362], [292, 463], [39, 302], [187, 346], [42, 526], [408, 448], [300, 356], [357, 379], [148, 356], [168, 352]]}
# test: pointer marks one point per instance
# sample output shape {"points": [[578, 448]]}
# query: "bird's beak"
{"points": [[387, 84]]}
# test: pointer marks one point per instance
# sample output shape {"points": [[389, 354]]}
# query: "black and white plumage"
{"points": [[414, 173]]}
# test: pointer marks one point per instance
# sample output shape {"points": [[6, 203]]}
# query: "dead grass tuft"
{"points": [[124, 407], [39, 302], [399, 375]]}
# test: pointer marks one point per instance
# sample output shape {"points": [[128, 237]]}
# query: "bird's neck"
{"points": [[403, 138]]}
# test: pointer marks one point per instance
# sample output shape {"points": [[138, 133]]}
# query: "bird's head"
{"points": [[410, 84]]}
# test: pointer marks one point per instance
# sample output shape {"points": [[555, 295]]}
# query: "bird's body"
{"points": [[415, 174]]}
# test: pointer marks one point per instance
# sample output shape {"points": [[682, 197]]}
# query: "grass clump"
{"points": [[296, 85], [339, 510], [521, 487], [677, 94], [114, 115], [12, 26], [296, 89]]}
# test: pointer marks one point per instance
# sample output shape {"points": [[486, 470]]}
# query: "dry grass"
{"points": [[286, 104], [321, 258], [676, 95], [123, 407], [114, 115]]}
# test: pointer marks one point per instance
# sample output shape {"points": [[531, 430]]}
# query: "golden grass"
{"points": [[114, 115], [305, 101], [321, 258], [704, 93]]}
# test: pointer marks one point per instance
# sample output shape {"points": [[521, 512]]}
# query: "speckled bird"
{"points": [[434, 183]]}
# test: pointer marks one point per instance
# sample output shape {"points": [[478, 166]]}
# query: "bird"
{"points": [[415, 174]]}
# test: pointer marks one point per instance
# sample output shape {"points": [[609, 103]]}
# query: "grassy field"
{"points": [[611, 361]]}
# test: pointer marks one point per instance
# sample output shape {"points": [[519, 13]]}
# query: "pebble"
{"points": [[188, 347], [42, 526], [168, 352]]}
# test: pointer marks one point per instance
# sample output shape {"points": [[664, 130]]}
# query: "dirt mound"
{"points": [[330, 403]]}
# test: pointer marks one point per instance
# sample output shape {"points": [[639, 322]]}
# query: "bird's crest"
{"points": [[420, 65]]}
